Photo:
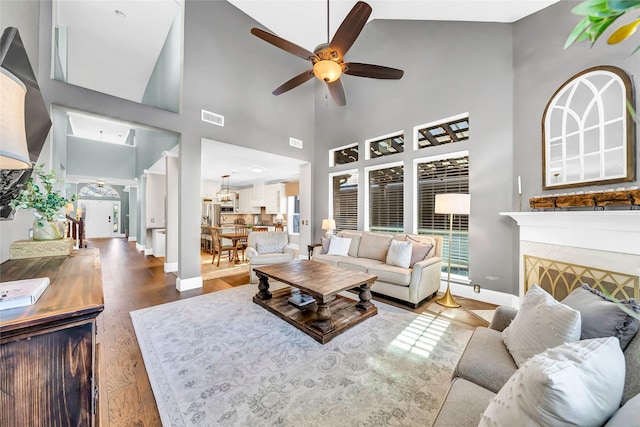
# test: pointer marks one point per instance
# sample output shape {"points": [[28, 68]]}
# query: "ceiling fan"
{"points": [[328, 58]]}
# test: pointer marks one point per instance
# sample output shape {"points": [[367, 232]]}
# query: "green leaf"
{"points": [[622, 5], [592, 8], [577, 32]]}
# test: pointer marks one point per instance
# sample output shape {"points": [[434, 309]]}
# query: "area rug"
{"points": [[221, 360], [484, 314]]}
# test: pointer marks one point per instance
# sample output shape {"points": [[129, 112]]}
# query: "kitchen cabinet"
{"points": [[245, 198], [275, 199], [208, 189], [49, 353], [257, 198]]}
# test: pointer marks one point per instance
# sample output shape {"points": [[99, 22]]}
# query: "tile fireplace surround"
{"points": [[602, 240]]}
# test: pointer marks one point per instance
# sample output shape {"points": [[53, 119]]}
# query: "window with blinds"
{"points": [[345, 201], [386, 199], [444, 175]]}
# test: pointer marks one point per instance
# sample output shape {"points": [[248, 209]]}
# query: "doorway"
{"points": [[102, 218]]}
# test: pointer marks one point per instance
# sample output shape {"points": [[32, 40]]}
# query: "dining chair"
{"points": [[242, 243], [217, 247], [205, 239], [260, 229], [279, 227]]}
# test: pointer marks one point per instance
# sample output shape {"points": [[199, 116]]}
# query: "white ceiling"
{"points": [[304, 22], [220, 159]]}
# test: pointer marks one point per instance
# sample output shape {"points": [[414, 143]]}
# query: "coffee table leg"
{"points": [[365, 297], [323, 316], [263, 287]]}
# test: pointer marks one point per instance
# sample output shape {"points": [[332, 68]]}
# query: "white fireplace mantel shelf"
{"points": [[614, 231]]}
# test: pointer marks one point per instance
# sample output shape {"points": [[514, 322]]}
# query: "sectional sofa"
{"points": [[369, 252]]}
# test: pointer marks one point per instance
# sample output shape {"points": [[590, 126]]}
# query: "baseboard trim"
{"points": [[132, 239], [170, 267], [485, 295], [187, 284], [139, 247], [148, 251]]}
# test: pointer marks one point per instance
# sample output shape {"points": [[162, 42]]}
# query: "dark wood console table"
{"points": [[48, 361]]}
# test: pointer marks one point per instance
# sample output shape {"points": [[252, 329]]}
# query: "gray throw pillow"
{"points": [[419, 251], [325, 245], [269, 247], [601, 316]]}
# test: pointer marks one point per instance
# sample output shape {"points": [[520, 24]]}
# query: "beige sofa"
{"points": [[265, 248], [368, 253]]}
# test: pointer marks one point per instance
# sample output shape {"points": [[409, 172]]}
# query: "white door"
{"points": [[102, 218]]}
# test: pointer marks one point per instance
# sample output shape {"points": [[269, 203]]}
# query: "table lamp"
{"points": [[329, 225], [452, 204]]}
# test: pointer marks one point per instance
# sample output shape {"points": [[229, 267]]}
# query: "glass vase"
{"points": [[48, 230]]}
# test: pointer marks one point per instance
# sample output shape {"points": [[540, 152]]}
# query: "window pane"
{"points": [[387, 146], [345, 201], [437, 177], [444, 133], [345, 155], [386, 199]]}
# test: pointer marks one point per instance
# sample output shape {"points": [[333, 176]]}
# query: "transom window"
{"points": [[448, 173], [386, 145], [446, 131], [386, 198], [343, 155], [103, 191], [344, 199]]}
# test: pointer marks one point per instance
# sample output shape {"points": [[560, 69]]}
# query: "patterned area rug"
{"points": [[221, 360]]}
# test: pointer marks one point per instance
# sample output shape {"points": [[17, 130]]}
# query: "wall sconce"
{"points": [[14, 152]]}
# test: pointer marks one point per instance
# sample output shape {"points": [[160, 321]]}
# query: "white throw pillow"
{"points": [[541, 323], [575, 384], [339, 246], [399, 253]]}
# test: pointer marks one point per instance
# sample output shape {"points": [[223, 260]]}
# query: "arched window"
{"points": [[102, 191]]}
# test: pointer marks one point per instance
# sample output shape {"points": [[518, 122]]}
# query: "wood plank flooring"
{"points": [[133, 281]]}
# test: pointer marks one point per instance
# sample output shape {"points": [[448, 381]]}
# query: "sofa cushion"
{"points": [[269, 247], [327, 259], [577, 383], [632, 368], [399, 254], [267, 259], [355, 240], [601, 315], [391, 274], [359, 264], [486, 361], [374, 246], [463, 405], [626, 416], [339, 246], [541, 323]]}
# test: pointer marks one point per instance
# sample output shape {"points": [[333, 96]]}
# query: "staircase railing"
{"points": [[76, 231]]}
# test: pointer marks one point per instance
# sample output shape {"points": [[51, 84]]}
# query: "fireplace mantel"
{"points": [[612, 231]]}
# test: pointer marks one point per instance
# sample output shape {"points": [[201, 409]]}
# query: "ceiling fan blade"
{"points": [[350, 28], [283, 44], [294, 82], [337, 93], [372, 71]]}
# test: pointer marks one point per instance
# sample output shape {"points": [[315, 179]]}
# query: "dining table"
{"points": [[235, 238]]}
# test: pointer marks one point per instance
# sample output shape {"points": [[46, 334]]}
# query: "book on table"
{"points": [[20, 293]]}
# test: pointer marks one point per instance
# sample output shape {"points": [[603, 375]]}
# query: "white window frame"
{"points": [[367, 142], [460, 116], [333, 150], [366, 187], [330, 187], [451, 155], [290, 214]]}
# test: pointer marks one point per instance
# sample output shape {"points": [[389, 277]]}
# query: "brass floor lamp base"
{"points": [[447, 300]]}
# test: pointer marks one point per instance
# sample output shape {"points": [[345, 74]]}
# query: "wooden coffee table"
{"points": [[331, 314]]}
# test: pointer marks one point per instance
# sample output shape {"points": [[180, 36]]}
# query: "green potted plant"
{"points": [[49, 223]]}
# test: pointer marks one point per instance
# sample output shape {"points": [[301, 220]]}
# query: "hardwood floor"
{"points": [[133, 281]]}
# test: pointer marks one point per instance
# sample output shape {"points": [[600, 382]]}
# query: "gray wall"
{"points": [[450, 68], [541, 66], [150, 144], [100, 159], [163, 88]]}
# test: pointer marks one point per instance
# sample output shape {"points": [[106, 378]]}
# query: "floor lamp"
{"points": [[451, 203]]}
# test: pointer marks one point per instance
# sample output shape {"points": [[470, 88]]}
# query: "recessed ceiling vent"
{"points": [[209, 117], [295, 143]]}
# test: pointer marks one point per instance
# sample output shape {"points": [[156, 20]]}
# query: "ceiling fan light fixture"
{"points": [[327, 70]]}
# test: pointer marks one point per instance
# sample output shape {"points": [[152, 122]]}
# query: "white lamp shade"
{"points": [[14, 152], [453, 203], [328, 224], [279, 217]]}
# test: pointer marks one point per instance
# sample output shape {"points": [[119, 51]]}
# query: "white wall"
{"points": [[155, 198]]}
